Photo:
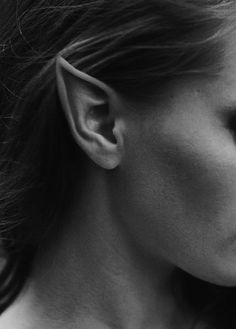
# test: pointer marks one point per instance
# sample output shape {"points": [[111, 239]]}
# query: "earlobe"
{"points": [[89, 107]]}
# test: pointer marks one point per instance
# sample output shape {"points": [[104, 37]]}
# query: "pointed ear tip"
{"points": [[60, 62], [59, 58], [62, 65]]}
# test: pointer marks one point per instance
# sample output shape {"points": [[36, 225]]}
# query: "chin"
{"points": [[223, 274], [218, 270]]}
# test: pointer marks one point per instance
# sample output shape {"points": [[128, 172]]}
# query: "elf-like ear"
{"points": [[89, 106]]}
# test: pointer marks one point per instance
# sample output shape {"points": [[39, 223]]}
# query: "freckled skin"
{"points": [[177, 195]]}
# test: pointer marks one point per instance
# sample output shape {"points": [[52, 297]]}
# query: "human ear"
{"points": [[89, 106]]}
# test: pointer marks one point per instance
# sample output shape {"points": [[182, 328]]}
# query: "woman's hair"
{"points": [[135, 46]]}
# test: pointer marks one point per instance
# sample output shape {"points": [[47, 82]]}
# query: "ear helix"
{"points": [[61, 62]]}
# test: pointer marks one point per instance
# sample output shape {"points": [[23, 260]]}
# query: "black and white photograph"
{"points": [[117, 164]]}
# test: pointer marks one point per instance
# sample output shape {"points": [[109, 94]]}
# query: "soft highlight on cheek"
{"points": [[195, 148], [181, 184]]}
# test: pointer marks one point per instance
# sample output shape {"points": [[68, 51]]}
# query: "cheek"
{"points": [[182, 196], [201, 215], [200, 157]]}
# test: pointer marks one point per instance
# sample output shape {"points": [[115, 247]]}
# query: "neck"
{"points": [[95, 277]]}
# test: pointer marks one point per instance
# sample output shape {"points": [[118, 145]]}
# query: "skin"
{"points": [[159, 193]]}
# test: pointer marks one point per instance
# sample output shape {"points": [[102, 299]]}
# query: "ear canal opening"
{"points": [[100, 114]]}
